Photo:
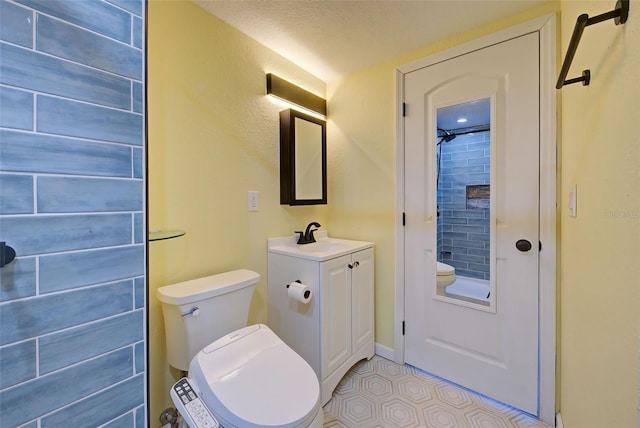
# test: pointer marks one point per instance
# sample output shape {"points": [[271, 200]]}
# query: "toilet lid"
{"points": [[251, 378], [444, 269]]}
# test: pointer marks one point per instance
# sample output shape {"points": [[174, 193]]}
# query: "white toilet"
{"points": [[445, 276], [244, 376]]}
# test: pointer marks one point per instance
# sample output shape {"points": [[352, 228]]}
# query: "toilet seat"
{"points": [[251, 378], [443, 269]]}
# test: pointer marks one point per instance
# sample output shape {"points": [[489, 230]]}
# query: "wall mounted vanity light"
{"points": [[287, 91]]}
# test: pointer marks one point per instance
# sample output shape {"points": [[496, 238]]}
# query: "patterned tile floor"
{"points": [[381, 393]]}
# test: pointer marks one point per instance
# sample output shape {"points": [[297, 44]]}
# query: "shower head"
{"points": [[447, 137]]}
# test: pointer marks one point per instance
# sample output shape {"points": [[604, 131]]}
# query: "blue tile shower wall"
{"points": [[463, 234], [72, 304]]}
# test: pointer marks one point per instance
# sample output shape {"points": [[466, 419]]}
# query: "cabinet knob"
{"points": [[354, 265]]}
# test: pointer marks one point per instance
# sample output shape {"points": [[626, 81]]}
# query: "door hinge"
{"points": [[404, 109], [539, 245], [404, 219], [403, 328]]}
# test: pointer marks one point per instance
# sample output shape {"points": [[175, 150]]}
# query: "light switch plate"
{"points": [[573, 201], [253, 200]]}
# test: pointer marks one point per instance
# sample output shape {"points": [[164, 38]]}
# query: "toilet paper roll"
{"points": [[300, 292]]}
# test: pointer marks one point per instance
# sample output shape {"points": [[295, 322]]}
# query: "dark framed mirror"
{"points": [[303, 159]]}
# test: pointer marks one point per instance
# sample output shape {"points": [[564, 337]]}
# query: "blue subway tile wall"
{"points": [[463, 234], [16, 24], [63, 78], [18, 279], [72, 183], [34, 153], [16, 194], [16, 108]]}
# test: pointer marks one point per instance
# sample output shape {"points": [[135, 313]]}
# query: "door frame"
{"points": [[546, 28]]}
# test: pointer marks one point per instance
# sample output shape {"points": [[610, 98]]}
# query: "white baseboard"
{"points": [[559, 420], [385, 352]]}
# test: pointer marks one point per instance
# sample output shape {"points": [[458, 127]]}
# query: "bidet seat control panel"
{"points": [[191, 406]]}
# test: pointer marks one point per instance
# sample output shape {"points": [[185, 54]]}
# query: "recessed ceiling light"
{"points": [[462, 120]]}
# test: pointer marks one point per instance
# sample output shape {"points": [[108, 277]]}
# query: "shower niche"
{"points": [[463, 146]]}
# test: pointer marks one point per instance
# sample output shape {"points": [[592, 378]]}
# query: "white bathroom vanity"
{"points": [[335, 328]]}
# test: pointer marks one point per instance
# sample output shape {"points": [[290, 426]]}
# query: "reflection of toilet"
{"points": [[446, 275], [245, 376]]}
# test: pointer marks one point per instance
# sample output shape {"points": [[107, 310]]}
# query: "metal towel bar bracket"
{"points": [[619, 15]]}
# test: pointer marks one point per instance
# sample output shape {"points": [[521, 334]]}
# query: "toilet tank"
{"points": [[202, 310]]}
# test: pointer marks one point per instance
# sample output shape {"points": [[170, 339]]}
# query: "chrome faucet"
{"points": [[307, 237]]}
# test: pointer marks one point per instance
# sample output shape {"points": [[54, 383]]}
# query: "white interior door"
{"points": [[488, 344]]}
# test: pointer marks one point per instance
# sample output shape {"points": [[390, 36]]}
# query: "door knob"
{"points": [[523, 245]]}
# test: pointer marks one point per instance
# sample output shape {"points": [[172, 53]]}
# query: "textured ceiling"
{"points": [[332, 38]]}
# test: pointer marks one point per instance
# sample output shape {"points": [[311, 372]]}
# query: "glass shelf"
{"points": [[161, 234]]}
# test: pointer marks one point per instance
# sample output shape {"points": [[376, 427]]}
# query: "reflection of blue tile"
{"points": [[140, 358], [479, 221], [16, 194], [66, 41], [139, 284], [480, 161], [137, 32], [23, 319], [138, 228], [17, 108], [468, 169], [133, 6], [124, 421], [479, 268], [63, 271], [467, 155], [100, 408], [58, 389], [479, 252], [141, 415], [18, 363], [89, 340], [469, 273], [32, 70], [43, 153], [138, 167], [467, 243], [479, 235], [468, 258], [454, 235], [71, 194], [16, 24], [47, 234], [97, 16], [63, 117], [138, 97], [18, 278]]}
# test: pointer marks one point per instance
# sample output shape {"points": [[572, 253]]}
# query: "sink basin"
{"points": [[325, 248]]}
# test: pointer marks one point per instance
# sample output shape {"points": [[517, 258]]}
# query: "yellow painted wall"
{"points": [[213, 136], [600, 248], [361, 144]]}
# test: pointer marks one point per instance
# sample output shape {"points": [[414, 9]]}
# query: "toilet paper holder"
{"points": [[297, 280], [306, 293]]}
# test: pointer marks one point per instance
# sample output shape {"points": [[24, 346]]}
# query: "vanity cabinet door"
{"points": [[335, 319], [362, 298]]}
